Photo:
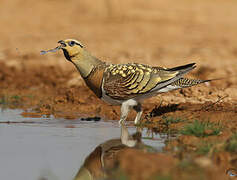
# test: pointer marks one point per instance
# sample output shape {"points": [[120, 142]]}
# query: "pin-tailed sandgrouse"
{"points": [[124, 84]]}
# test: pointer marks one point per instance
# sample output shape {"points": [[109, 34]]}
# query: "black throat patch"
{"points": [[66, 54]]}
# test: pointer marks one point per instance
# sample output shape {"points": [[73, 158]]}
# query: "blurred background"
{"points": [[165, 33]]}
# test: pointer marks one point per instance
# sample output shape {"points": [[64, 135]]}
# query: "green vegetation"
{"points": [[186, 164], [2, 100], [163, 125], [15, 97], [204, 148], [166, 123], [201, 129], [231, 144], [10, 100], [172, 120], [189, 168]]}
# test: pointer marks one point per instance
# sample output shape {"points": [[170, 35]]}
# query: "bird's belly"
{"points": [[139, 97], [155, 92], [110, 100]]}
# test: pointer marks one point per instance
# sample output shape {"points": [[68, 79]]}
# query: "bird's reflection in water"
{"points": [[104, 159]]}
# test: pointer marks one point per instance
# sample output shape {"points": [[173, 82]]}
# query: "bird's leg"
{"points": [[138, 109], [125, 108]]}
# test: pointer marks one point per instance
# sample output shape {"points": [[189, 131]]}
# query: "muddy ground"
{"points": [[159, 33]]}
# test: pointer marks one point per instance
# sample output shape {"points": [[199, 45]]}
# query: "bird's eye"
{"points": [[71, 43]]}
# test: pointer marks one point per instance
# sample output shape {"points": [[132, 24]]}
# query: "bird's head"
{"points": [[71, 48], [74, 52]]}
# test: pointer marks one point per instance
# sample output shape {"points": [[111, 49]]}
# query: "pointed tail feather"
{"points": [[184, 82]]}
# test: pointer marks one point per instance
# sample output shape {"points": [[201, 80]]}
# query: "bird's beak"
{"points": [[63, 44]]}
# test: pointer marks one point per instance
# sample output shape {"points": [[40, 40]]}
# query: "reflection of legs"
{"points": [[125, 108], [125, 137], [138, 109]]}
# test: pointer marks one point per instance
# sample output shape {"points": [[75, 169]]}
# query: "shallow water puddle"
{"points": [[31, 148]]}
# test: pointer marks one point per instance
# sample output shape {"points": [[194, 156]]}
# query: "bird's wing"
{"points": [[125, 81]]}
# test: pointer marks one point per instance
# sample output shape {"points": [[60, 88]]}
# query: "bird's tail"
{"points": [[185, 82]]}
